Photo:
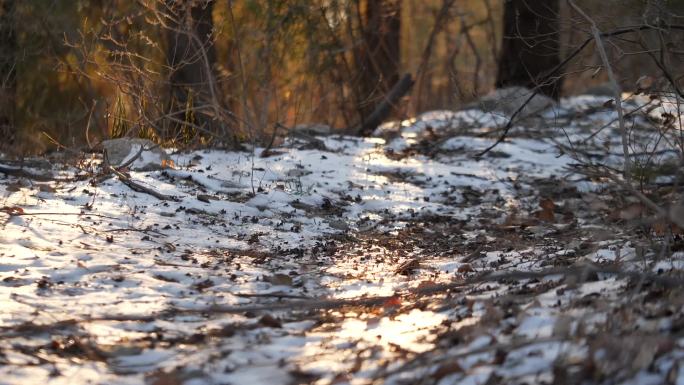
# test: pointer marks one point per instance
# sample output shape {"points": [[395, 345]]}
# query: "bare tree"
{"points": [[8, 74], [530, 46], [191, 57], [378, 59]]}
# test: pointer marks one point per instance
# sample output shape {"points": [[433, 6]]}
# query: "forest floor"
{"points": [[401, 259]]}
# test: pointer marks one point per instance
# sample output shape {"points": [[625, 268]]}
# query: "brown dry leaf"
{"points": [[12, 211], [546, 212], [407, 267], [660, 228], [394, 301], [547, 204], [270, 321], [167, 163], [465, 268], [426, 285]]}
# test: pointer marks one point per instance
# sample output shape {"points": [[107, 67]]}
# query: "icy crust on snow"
{"points": [[238, 234]]}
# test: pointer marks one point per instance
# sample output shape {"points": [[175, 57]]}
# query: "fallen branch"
{"points": [[21, 173], [669, 215], [312, 140], [135, 186], [383, 110], [108, 168], [19, 212]]}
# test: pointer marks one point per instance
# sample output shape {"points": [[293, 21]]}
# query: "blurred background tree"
{"points": [[8, 74], [530, 45], [206, 72], [191, 56], [377, 55]]}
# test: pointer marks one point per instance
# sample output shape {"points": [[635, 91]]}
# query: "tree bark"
{"points": [[378, 58], [191, 57], [530, 46], [8, 73]]}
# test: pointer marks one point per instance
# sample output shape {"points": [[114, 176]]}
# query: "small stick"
{"points": [[617, 92], [21, 173], [267, 151], [135, 186]]}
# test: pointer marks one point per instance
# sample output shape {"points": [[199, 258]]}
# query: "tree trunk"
{"points": [[8, 73], [383, 110], [191, 57], [378, 58], [530, 46]]}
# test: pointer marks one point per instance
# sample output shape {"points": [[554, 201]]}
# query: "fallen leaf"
{"points": [[546, 212], [12, 211], [394, 301], [270, 321], [407, 267], [426, 285], [167, 163]]}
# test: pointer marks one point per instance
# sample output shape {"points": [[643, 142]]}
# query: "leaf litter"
{"points": [[399, 259]]}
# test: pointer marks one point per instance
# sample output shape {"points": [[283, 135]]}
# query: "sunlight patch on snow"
{"points": [[410, 331], [241, 220]]}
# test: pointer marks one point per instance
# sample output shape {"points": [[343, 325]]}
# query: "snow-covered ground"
{"points": [[315, 266]]}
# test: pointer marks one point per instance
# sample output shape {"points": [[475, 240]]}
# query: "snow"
{"points": [[130, 281]]}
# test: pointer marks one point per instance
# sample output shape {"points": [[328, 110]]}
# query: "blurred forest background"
{"points": [[220, 72]]}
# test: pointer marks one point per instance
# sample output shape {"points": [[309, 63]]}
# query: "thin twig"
{"points": [[554, 71], [21, 173], [617, 92], [135, 186]]}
